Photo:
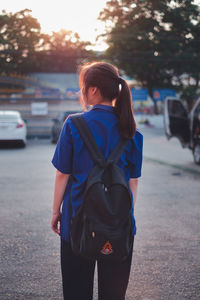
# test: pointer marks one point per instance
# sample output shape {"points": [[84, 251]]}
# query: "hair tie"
{"points": [[120, 80]]}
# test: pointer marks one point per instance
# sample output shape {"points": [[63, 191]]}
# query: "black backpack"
{"points": [[102, 226]]}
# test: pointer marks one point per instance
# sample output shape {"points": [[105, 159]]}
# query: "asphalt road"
{"points": [[166, 260], [167, 152]]}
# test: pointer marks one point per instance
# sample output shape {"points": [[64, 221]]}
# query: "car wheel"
{"points": [[22, 144], [196, 154]]}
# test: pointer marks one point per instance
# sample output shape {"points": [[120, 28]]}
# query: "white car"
{"points": [[12, 127]]}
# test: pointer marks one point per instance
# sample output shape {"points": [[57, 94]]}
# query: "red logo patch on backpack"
{"points": [[107, 248]]}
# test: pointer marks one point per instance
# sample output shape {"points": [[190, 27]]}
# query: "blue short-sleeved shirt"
{"points": [[72, 157]]}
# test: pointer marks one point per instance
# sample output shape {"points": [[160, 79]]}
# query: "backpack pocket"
{"points": [[100, 242]]}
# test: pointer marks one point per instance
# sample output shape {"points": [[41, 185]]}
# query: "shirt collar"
{"points": [[103, 106]]}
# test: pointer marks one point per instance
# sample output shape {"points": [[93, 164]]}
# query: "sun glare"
{"points": [[77, 16]]}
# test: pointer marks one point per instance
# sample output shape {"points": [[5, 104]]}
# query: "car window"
{"points": [[60, 117], [176, 109], [66, 114], [9, 118], [63, 115]]}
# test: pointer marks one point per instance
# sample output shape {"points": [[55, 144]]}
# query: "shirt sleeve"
{"points": [[62, 159], [135, 156]]}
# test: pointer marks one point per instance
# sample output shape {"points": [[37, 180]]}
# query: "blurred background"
{"points": [[155, 45]]}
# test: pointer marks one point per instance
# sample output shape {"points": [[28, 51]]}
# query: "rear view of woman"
{"points": [[110, 117]]}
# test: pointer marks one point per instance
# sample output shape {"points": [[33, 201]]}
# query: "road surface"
{"points": [[166, 260]]}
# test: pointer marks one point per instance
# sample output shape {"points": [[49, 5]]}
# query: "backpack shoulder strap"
{"points": [[87, 137], [118, 150]]}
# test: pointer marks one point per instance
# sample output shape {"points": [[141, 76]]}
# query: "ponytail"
{"points": [[124, 111]]}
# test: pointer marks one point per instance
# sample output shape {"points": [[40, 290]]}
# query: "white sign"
{"points": [[39, 108]]}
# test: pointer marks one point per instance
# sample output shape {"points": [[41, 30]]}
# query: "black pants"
{"points": [[78, 276]]}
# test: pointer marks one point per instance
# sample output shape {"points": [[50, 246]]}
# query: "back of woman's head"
{"points": [[106, 78]]}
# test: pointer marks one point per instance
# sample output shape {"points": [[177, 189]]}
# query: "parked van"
{"points": [[183, 125]]}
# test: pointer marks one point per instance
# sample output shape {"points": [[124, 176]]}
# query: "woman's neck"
{"points": [[109, 103]]}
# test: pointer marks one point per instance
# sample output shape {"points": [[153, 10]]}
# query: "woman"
{"points": [[111, 116]]}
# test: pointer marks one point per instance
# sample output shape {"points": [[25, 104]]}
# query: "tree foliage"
{"points": [[62, 53], [24, 48], [156, 41], [20, 35]]}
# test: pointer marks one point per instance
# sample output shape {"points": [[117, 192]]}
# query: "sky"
{"points": [[77, 15]]}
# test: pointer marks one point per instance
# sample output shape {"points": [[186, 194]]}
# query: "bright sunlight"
{"points": [[77, 16]]}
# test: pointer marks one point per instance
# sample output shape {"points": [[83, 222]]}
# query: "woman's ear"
{"points": [[93, 90], [93, 95]]}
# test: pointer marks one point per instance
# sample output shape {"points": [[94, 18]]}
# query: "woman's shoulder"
{"points": [[136, 141], [138, 135], [84, 114]]}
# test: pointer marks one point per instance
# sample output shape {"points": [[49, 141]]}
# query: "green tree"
{"points": [[25, 49], [62, 52], [155, 41], [20, 36], [179, 41]]}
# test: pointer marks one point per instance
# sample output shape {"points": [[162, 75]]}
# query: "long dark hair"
{"points": [[106, 78]]}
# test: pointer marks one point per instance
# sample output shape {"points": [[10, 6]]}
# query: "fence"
{"points": [[39, 125]]}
